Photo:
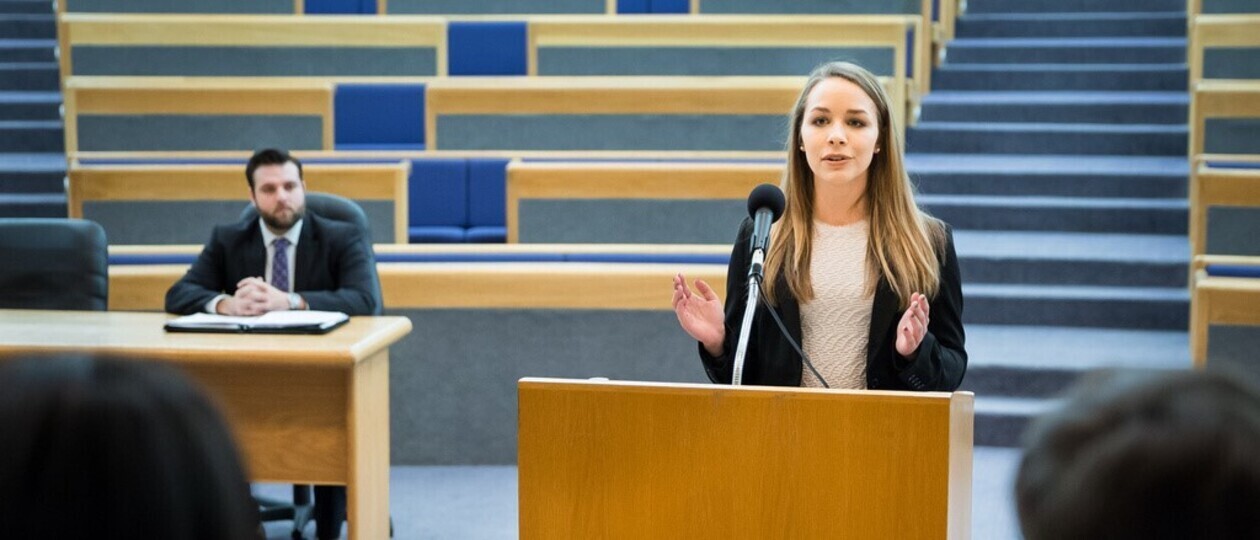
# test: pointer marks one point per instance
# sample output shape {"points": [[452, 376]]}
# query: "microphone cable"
{"points": [[783, 330]]}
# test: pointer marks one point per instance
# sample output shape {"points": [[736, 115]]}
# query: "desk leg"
{"points": [[367, 495]]}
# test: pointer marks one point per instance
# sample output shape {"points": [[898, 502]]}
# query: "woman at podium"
{"points": [[861, 279]]}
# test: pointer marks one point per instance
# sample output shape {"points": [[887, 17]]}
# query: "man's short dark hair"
{"points": [[1137, 456], [269, 156]]}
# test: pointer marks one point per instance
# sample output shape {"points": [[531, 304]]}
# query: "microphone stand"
{"points": [[745, 327]]}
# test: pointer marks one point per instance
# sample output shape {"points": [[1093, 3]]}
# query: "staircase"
{"points": [[1054, 142], [32, 143]]}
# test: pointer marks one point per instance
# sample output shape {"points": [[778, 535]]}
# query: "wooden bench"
{"points": [[251, 45], [1215, 43], [1221, 300], [177, 204], [713, 192], [610, 114], [1213, 185], [119, 114]]}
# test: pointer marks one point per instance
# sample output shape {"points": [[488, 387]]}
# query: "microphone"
{"points": [[765, 206]]}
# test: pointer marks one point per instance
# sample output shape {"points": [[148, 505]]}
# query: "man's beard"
{"points": [[280, 224]]}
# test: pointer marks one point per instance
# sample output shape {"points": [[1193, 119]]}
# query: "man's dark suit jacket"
{"points": [[771, 360], [333, 270]]}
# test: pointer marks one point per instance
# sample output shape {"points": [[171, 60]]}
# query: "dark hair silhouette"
{"points": [[106, 448], [269, 156], [1173, 456]]}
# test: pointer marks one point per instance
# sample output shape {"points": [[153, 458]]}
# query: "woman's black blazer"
{"points": [[939, 364]]}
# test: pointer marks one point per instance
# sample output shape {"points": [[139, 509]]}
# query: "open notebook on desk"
{"points": [[275, 322]]}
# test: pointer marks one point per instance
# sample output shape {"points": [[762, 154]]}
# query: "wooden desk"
{"points": [[304, 409]]}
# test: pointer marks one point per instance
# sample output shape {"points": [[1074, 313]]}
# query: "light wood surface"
{"points": [[616, 286], [639, 460], [657, 180], [1220, 300], [303, 409], [359, 181]]}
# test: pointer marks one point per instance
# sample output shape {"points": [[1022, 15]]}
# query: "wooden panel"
{"points": [[256, 30], [614, 95], [167, 95], [471, 285], [712, 30], [368, 404], [538, 285], [638, 460], [541, 180], [361, 181], [292, 418]]}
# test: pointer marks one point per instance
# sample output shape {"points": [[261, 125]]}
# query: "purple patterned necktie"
{"points": [[280, 264]]}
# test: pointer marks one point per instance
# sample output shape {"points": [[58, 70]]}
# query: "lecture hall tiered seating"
{"points": [[536, 171]]}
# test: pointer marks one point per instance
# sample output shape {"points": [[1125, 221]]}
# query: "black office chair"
{"points": [[301, 509], [52, 263], [338, 208]]}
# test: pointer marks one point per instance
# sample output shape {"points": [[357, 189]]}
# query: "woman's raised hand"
{"points": [[913, 326], [700, 314]]}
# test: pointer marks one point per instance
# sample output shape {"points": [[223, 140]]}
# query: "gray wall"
{"points": [[453, 7], [630, 221], [1231, 230], [611, 132], [810, 6], [253, 61], [785, 61], [190, 222], [125, 133], [179, 6]]}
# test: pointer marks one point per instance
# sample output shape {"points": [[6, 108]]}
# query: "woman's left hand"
{"points": [[913, 326]]}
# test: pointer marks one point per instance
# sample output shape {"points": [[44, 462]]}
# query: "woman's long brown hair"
{"points": [[903, 241]]}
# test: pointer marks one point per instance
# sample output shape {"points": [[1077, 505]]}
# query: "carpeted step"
{"points": [[1059, 214], [30, 105], [1057, 258], [31, 136], [1042, 361], [1075, 6], [1054, 175], [1082, 306], [28, 26], [1056, 107], [1057, 77], [26, 6], [27, 50], [30, 76], [1001, 421], [33, 205], [1074, 50], [1000, 25], [1046, 138], [32, 173]]}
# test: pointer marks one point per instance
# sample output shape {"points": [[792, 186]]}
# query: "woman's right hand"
{"points": [[700, 314]]}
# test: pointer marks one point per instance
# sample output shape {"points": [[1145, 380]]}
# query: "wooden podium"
{"points": [[601, 459]]}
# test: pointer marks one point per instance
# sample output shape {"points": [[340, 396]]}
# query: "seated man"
{"points": [[1173, 456], [285, 259]]}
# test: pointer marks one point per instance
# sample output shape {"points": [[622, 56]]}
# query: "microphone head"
{"points": [[766, 196]]}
